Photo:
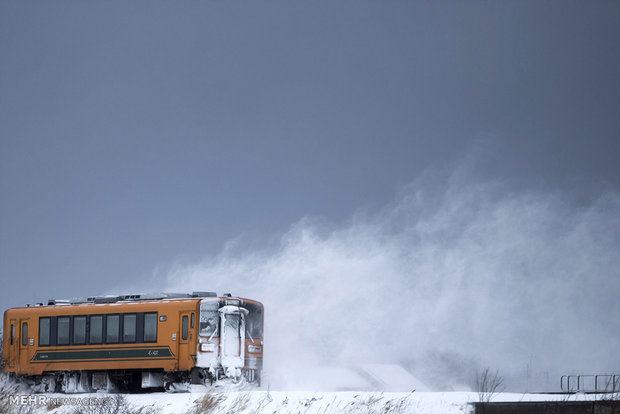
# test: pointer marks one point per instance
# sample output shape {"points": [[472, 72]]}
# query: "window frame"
{"points": [[58, 343], [144, 326], [49, 331], [89, 329], [184, 328], [24, 333], [254, 321], [73, 342], [50, 335], [135, 328], [118, 333]]}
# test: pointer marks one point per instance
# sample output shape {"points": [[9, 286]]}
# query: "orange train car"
{"points": [[134, 342]]}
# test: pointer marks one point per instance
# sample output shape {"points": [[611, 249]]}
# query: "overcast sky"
{"points": [[133, 134]]}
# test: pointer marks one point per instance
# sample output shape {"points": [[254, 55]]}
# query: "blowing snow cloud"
{"points": [[453, 266]]}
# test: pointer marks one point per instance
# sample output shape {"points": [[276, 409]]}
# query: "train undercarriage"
{"points": [[136, 380]]}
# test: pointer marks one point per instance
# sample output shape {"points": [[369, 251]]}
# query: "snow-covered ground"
{"points": [[348, 402], [339, 402], [221, 400]]}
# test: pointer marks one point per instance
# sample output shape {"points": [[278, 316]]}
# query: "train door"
{"points": [[232, 337], [12, 351], [186, 338], [23, 344]]}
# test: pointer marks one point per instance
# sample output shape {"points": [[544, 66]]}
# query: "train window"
{"points": [[24, 334], [12, 334], [209, 319], [96, 330], [254, 321], [150, 327], [112, 328], [44, 331], [62, 332], [129, 327], [79, 330], [191, 323], [184, 328]]}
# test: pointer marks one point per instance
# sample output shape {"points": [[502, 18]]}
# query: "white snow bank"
{"points": [[315, 378], [387, 377], [365, 377]]}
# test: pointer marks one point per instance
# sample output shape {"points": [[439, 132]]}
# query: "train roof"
{"points": [[132, 299], [127, 298]]}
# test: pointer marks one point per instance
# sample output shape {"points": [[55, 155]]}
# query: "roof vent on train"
{"points": [[103, 299], [130, 298], [204, 294], [58, 302], [77, 301], [144, 296]]}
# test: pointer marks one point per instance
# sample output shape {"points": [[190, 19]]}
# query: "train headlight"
{"points": [[254, 348], [207, 347]]}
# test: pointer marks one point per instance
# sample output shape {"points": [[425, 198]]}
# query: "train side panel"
{"points": [[173, 349], [135, 343]]}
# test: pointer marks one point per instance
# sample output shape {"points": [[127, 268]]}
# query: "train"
{"points": [[135, 342]]}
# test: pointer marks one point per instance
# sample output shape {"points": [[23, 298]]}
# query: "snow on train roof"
{"points": [[125, 299], [136, 298]]}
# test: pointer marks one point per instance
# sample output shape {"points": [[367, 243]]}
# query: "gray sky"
{"points": [[135, 133]]}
